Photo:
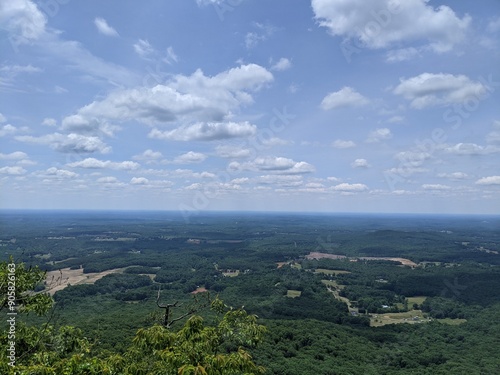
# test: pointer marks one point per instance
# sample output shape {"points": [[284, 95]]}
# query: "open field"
{"points": [[293, 293], [418, 300], [403, 261], [60, 279]]}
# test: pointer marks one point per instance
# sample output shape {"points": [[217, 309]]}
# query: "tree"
{"points": [[197, 348]]}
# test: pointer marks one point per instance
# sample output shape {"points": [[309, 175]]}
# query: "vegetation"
{"points": [[322, 316]]}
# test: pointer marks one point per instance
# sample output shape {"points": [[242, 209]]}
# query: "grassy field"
{"points": [[293, 293], [418, 300]]}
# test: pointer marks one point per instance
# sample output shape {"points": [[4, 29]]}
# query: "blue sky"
{"points": [[192, 105]]}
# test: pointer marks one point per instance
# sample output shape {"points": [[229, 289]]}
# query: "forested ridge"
{"points": [[248, 297]]}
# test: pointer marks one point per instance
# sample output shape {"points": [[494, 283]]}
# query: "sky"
{"points": [[386, 106]]}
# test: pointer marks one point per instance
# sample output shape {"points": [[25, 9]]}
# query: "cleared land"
{"points": [[317, 255], [293, 293], [60, 279]]}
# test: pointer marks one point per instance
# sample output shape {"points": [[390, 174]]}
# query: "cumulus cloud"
{"points": [[109, 180], [345, 97], [23, 20], [7, 130], [16, 170], [282, 165], [16, 155], [282, 64], [55, 173], [49, 122], [471, 149], [385, 23], [491, 180], [281, 181], [360, 163], [68, 143], [428, 89], [206, 131], [453, 175], [190, 157], [104, 28], [412, 158], [232, 152], [379, 135], [139, 181], [186, 99], [149, 156], [339, 143], [345, 187], [278, 165], [92, 163], [436, 187]]}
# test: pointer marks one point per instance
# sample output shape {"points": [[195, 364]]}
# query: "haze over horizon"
{"points": [[193, 105]]}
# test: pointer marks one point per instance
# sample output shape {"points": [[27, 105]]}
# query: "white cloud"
{"points": [[13, 70], [454, 175], [171, 56], [143, 48], [104, 28], [92, 163], [279, 165], [345, 97], [345, 187], [232, 152], [275, 141], [108, 180], [2, 118], [17, 155], [385, 23], [23, 20], [206, 131], [379, 135], [190, 157], [491, 180], [396, 119], [282, 64], [17, 170], [49, 122], [435, 187], [471, 149], [54, 173], [281, 181], [185, 99], [139, 181], [239, 181], [149, 156], [360, 163], [253, 38], [402, 54], [428, 89], [282, 165], [68, 143], [412, 158], [7, 130], [339, 143]]}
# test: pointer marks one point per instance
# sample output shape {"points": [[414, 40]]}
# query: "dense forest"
{"points": [[125, 292]]}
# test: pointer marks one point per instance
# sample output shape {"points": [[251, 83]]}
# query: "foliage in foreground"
{"points": [[197, 348]]}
